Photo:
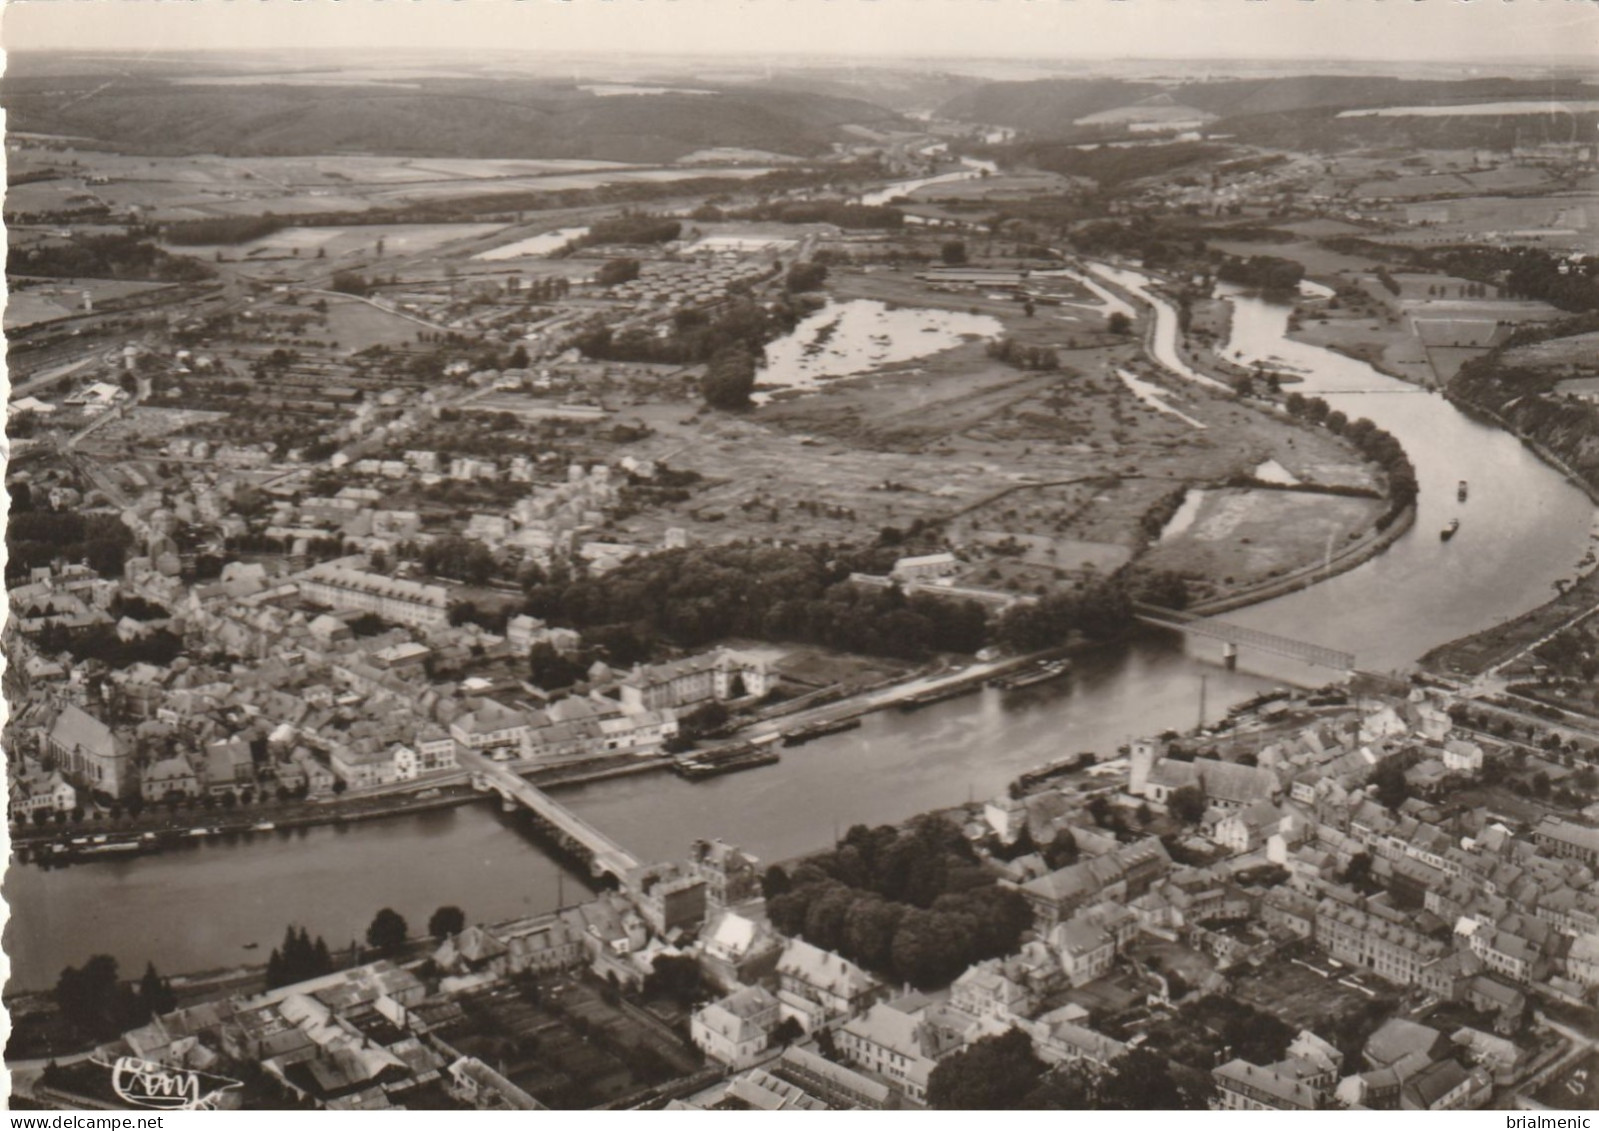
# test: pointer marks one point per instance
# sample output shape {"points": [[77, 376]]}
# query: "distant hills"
{"points": [[1268, 110], [438, 118]]}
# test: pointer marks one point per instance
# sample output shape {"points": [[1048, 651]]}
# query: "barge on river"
{"points": [[804, 734], [1031, 677], [706, 764]]}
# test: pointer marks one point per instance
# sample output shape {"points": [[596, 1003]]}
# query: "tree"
{"points": [[787, 1032], [953, 253], [675, 976], [1119, 324], [615, 272], [1061, 851], [775, 882], [1358, 874], [1392, 788], [729, 379], [446, 921], [991, 1074], [1188, 804], [388, 932], [1141, 1080], [155, 992]]}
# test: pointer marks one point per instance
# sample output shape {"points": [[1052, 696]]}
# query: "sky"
{"points": [[1430, 30]]}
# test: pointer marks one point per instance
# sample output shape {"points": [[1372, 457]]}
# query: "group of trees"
{"points": [[101, 642], [840, 213], [1269, 273], [1098, 609], [39, 537], [115, 255], [221, 230], [913, 905], [1014, 353], [298, 959], [1003, 1072], [628, 228], [98, 1004], [1373, 442], [729, 379], [806, 277], [459, 559], [615, 272], [701, 594], [696, 337], [351, 283]]}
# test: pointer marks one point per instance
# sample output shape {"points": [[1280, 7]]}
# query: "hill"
{"points": [[460, 118], [1254, 110]]}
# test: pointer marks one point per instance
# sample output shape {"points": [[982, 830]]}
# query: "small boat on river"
{"points": [[1448, 532], [1460, 492]]}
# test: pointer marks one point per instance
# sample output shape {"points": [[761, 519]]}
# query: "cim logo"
{"points": [[144, 1083]]}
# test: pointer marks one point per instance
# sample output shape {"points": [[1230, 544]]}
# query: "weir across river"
{"points": [[1235, 634]]}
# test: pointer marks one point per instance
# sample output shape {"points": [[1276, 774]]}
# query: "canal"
{"points": [[1522, 528]]}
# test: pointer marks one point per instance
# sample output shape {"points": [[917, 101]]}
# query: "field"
{"points": [[1577, 352], [1244, 536], [181, 188], [339, 243], [357, 325], [1041, 473]]}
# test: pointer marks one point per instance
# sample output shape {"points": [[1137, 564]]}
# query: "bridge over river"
{"points": [[1236, 635], [604, 855]]}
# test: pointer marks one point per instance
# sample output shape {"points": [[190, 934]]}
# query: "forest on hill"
{"points": [[441, 118]]}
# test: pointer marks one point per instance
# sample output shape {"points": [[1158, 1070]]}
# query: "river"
{"points": [[1523, 527]]}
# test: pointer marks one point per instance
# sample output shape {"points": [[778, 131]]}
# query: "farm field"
{"points": [[340, 242], [357, 325]]}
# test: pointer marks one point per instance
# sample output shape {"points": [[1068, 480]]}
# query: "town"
{"points": [[544, 588]]}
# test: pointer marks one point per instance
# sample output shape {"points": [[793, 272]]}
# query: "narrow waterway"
{"points": [[1522, 527]]}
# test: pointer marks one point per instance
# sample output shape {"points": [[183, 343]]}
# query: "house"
{"points": [[87, 750], [902, 1041], [737, 950], [169, 777], [720, 675], [1244, 830], [1241, 1086], [228, 766], [989, 990], [338, 586], [1565, 839], [925, 567], [1225, 785], [1086, 951], [841, 1088], [736, 1030], [491, 728], [41, 792], [1444, 1086], [816, 986], [1398, 1040], [1124, 873], [732, 876], [361, 766], [1582, 960]]}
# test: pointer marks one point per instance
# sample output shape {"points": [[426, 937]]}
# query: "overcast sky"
{"points": [[1524, 30]]}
